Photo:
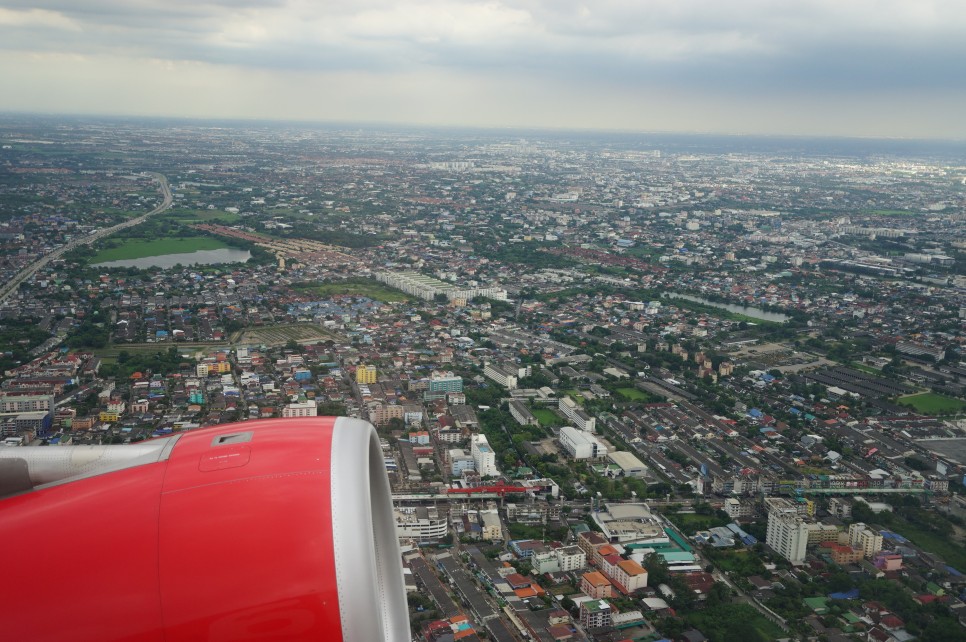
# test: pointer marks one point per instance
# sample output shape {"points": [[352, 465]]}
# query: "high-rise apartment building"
{"points": [[484, 456], [787, 534]]}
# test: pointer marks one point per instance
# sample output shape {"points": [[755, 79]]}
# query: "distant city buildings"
{"points": [[428, 288]]}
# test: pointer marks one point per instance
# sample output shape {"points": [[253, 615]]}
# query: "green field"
{"points": [[358, 287], [930, 403], [546, 417], [576, 396], [633, 394], [951, 551], [734, 622], [690, 523], [140, 248], [864, 368]]}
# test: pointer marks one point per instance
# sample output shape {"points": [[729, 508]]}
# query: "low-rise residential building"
{"points": [[573, 412], [492, 526], [501, 374], [628, 575], [460, 462], [863, 537], [520, 412], [301, 409], [818, 533], [595, 585], [737, 509], [595, 614], [570, 558], [841, 553]]}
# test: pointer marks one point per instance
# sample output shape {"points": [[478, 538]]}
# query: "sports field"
{"points": [[140, 248], [929, 403], [633, 394], [547, 417]]}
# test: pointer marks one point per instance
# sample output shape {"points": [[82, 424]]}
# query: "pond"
{"points": [[756, 313], [199, 257]]}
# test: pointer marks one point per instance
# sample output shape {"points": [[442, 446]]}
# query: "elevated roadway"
{"points": [[11, 286]]}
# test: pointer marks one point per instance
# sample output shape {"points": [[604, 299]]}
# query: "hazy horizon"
{"points": [[875, 69]]}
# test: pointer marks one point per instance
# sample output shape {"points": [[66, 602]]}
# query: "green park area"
{"points": [[546, 417], [929, 403], [633, 394], [135, 248], [690, 523], [734, 622], [576, 396], [930, 532], [354, 287]]}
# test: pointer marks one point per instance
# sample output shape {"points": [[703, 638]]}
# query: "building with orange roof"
{"points": [[595, 585], [629, 575]]}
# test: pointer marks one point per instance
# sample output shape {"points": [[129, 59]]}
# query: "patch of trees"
{"points": [[160, 362]]}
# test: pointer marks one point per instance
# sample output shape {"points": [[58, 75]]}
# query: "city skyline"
{"points": [[879, 69]]}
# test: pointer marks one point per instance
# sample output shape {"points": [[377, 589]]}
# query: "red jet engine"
{"points": [[279, 529]]}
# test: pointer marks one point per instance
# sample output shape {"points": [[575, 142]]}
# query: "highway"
{"points": [[11, 286]]}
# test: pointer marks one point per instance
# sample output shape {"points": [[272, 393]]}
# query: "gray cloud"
{"points": [[818, 51]]}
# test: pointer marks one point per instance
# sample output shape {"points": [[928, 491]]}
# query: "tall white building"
{"points": [[861, 536], [580, 444], [483, 455], [787, 534]]}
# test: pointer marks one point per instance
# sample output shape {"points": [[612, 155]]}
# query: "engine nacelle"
{"points": [[278, 529]]}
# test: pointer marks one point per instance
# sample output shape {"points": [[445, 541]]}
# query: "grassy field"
{"points": [[357, 287], [930, 403], [740, 562], [140, 248], [546, 417], [633, 394], [576, 396], [689, 523], [951, 551], [864, 368], [734, 622]]}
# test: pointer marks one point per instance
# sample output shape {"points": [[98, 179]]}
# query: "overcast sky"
{"points": [[893, 68]]}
